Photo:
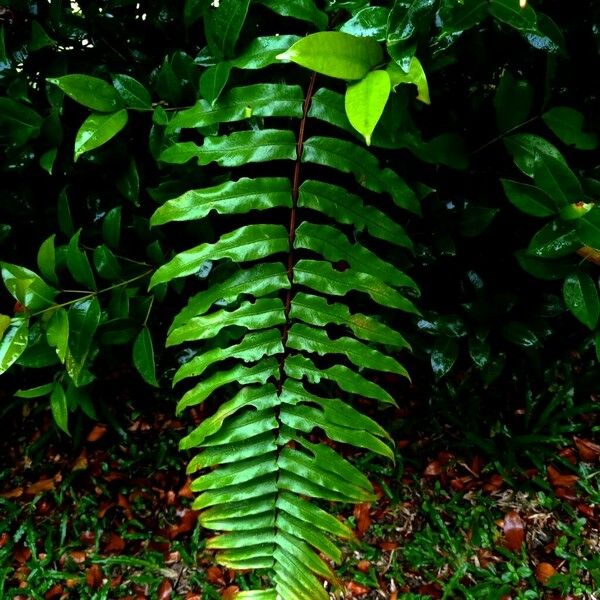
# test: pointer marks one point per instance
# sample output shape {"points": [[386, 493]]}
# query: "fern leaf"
{"points": [[273, 314], [349, 158], [236, 149], [251, 349], [232, 197], [327, 199], [315, 310], [310, 339], [259, 373], [263, 313], [261, 100], [261, 280], [322, 277], [251, 242], [334, 246]]}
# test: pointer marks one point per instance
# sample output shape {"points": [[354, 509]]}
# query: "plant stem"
{"points": [[92, 294]]}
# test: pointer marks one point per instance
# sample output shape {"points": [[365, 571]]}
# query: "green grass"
{"points": [[426, 540]]}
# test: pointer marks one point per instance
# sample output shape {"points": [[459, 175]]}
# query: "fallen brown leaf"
{"points": [[588, 451], [229, 593], [93, 577], [96, 433], [54, 592], [357, 589], [165, 590], [363, 565], [544, 572], [14, 493], [39, 487], [434, 468], [558, 479], [215, 575], [81, 462], [115, 543], [388, 546], [363, 518], [514, 531]]}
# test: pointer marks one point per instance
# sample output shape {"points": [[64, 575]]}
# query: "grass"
{"points": [[111, 520]]}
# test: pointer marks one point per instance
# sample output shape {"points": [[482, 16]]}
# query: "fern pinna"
{"points": [[291, 354]]}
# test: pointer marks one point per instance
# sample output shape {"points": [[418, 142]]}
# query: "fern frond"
{"points": [[288, 350]]}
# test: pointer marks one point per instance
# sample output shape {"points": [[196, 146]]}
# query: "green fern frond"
{"points": [[278, 340]]}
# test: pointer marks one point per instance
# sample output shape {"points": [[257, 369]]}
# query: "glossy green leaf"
{"points": [[263, 51], [333, 245], [143, 356], [524, 147], [214, 80], [27, 287], [326, 198], [554, 240], [457, 17], [58, 406], [79, 264], [260, 314], [4, 324], [240, 103], [513, 102], [479, 351], [415, 75], [251, 242], [106, 264], [529, 199], [223, 22], [129, 183], [13, 343], [350, 158], [111, 227], [335, 54], [300, 367], [260, 280], [369, 22], [57, 333], [305, 10], [258, 373], [232, 197], [236, 149], [406, 21], [551, 269], [92, 92], [35, 392], [315, 310], [323, 278], [98, 129], [46, 259], [444, 355], [84, 318], [512, 13], [254, 346], [132, 92], [580, 293], [311, 339], [365, 101], [557, 180], [588, 228], [21, 121], [520, 334], [567, 124]]}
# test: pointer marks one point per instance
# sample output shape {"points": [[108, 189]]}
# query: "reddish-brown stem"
{"points": [[293, 218]]}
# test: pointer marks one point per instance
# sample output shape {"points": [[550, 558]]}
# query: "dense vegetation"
{"points": [[336, 211]]}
